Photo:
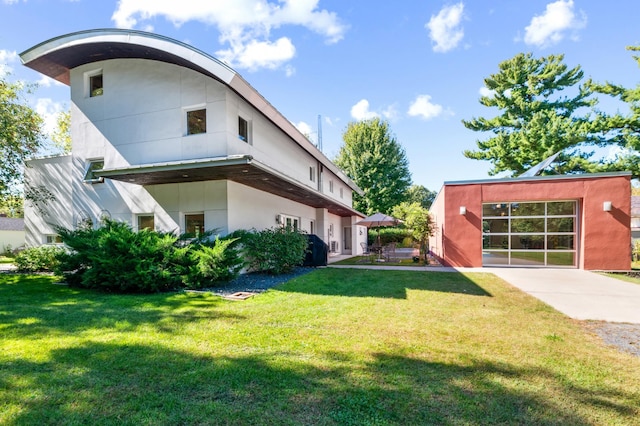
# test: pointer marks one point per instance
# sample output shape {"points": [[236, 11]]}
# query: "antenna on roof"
{"points": [[320, 132]]}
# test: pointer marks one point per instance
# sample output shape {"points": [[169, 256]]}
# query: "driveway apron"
{"points": [[579, 294]]}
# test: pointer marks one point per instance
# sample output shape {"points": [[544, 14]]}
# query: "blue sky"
{"points": [[418, 64]]}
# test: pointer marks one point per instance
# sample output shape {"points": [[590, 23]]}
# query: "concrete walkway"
{"points": [[579, 294]]}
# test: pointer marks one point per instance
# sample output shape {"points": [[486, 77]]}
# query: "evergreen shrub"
{"points": [[116, 258]]}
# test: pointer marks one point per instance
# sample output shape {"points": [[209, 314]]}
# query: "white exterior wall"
{"points": [[140, 119], [53, 173], [11, 239]]}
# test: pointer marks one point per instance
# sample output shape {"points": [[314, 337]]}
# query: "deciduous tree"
{"points": [[377, 163], [421, 195], [20, 133]]}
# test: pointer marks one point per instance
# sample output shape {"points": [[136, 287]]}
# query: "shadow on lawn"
{"points": [[101, 383], [380, 283], [65, 309]]}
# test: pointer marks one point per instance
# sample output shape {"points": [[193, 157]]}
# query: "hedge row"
{"points": [[116, 258]]}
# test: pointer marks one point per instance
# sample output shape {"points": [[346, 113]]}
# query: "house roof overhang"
{"points": [[56, 57], [242, 169]]}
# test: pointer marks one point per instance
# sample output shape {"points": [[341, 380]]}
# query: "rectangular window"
{"points": [[341, 193], [95, 85], [243, 129], [312, 174], [146, 222], [331, 186], [196, 121], [290, 222], [53, 239], [194, 224], [89, 176]]}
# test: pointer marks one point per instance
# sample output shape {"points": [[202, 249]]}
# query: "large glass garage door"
{"points": [[529, 234]]}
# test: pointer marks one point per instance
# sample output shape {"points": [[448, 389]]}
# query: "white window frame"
{"points": [[145, 215], [53, 239], [249, 133], [89, 171], [185, 114], [294, 221], [88, 76]]}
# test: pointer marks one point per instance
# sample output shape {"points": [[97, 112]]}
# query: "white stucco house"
{"points": [[167, 137]]}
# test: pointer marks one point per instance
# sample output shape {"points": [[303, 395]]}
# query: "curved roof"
{"points": [[57, 56]]}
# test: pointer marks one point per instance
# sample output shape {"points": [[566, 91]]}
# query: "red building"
{"points": [[580, 221]]}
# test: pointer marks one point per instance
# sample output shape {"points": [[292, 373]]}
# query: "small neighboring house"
{"points": [[167, 137], [11, 233], [635, 217]]}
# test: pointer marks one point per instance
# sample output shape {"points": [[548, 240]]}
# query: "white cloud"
{"points": [[49, 110], [48, 82], [11, 1], [304, 128], [259, 54], [486, 92], [6, 59], [550, 27], [360, 111], [244, 24], [423, 107], [444, 28]]}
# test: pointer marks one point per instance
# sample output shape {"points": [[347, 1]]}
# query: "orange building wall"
{"points": [[604, 237]]}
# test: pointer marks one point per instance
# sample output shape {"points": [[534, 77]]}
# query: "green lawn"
{"points": [[333, 347]]}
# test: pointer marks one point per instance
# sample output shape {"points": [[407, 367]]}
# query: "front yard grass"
{"points": [[332, 347]]}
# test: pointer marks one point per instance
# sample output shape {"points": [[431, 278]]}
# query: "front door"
{"points": [[346, 239]]}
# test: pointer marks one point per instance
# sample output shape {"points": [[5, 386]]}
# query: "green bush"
{"points": [[388, 235], [275, 250], [214, 263], [116, 258], [38, 259]]}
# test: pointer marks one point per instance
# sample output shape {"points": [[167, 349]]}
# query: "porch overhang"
{"points": [[243, 169]]}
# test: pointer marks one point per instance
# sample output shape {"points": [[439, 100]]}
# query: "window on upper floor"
{"points": [[92, 166], [95, 86], [196, 121], [312, 174], [93, 83], [331, 186], [341, 193], [244, 131]]}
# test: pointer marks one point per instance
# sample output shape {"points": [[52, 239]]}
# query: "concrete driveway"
{"points": [[577, 293]]}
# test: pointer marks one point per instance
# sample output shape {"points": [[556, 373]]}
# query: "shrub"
{"points": [[388, 235], [117, 258], [38, 259], [218, 262], [275, 250]]}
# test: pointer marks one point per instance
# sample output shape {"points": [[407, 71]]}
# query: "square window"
{"points": [[243, 129], [194, 224], [196, 121], [94, 165], [95, 85], [146, 222]]}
